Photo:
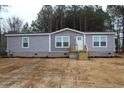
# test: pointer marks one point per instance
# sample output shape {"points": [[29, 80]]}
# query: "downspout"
{"points": [[85, 43], [49, 42], [84, 39]]}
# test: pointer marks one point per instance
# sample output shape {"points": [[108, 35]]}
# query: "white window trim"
{"points": [[68, 42], [22, 42], [62, 42], [99, 40], [94, 40], [56, 41]]}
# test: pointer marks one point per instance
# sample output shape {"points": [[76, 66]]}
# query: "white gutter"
{"points": [[108, 33], [37, 34]]}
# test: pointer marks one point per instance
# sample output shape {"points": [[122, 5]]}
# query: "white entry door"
{"points": [[79, 42]]}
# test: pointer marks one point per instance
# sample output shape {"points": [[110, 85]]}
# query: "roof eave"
{"points": [[109, 33], [27, 34], [67, 29]]}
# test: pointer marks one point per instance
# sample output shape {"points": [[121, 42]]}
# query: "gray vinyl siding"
{"points": [[40, 44], [36, 44], [40, 54], [64, 33], [110, 43]]}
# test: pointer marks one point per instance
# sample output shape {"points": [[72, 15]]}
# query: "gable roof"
{"points": [[73, 30], [37, 34]]}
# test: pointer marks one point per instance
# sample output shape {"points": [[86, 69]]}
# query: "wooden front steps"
{"points": [[81, 55]]}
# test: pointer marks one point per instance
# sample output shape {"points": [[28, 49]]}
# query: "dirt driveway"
{"points": [[61, 72]]}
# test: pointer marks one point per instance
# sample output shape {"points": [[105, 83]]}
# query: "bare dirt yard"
{"points": [[61, 72]]}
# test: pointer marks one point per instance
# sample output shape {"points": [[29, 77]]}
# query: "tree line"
{"points": [[79, 17], [117, 13]]}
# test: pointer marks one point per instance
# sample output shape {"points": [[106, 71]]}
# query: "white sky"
{"points": [[26, 12], [27, 9]]}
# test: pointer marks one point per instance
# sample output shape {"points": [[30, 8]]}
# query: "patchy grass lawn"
{"points": [[61, 72]]}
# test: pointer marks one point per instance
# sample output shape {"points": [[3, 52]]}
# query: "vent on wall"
{"points": [[65, 53], [109, 53], [35, 54]]}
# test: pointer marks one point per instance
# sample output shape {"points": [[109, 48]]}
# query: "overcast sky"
{"points": [[26, 12], [27, 9]]}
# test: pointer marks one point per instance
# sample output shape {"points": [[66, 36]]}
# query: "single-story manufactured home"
{"points": [[57, 44]]}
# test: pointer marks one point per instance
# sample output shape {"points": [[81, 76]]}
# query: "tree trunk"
{"points": [[80, 22], [123, 34], [117, 43], [74, 21], [118, 35], [61, 22], [50, 23], [85, 24], [57, 24]]}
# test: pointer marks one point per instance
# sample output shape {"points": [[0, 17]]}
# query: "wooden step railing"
{"points": [[73, 48], [80, 54]]}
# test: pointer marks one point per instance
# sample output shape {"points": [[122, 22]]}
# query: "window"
{"points": [[96, 41], [25, 42], [99, 41], [62, 41], [79, 38], [59, 41], [103, 41], [65, 41]]}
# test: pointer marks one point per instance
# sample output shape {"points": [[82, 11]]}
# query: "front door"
{"points": [[79, 42]]}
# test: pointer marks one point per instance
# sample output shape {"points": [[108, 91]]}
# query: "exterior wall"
{"points": [[36, 44], [40, 54], [101, 51], [101, 54], [39, 45], [64, 33]]}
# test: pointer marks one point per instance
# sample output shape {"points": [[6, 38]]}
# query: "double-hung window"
{"points": [[62, 41], [65, 41], [58, 41], [99, 41], [103, 41], [25, 42], [96, 41]]}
